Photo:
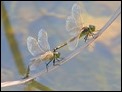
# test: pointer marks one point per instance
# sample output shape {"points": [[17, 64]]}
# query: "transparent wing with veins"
{"points": [[43, 40], [77, 13], [33, 46], [74, 24], [73, 44], [35, 50], [71, 26], [38, 48]]}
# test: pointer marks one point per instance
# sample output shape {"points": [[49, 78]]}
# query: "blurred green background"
{"points": [[97, 68]]}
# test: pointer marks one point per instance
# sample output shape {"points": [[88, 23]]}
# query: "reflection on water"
{"points": [[96, 70], [6, 75]]}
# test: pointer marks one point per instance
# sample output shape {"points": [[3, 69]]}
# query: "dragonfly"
{"points": [[40, 49], [75, 27]]}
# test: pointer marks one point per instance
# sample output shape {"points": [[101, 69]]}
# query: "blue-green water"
{"points": [[98, 68]]}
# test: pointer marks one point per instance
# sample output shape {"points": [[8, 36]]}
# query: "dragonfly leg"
{"points": [[93, 35], [54, 63], [86, 37], [59, 59], [47, 65]]}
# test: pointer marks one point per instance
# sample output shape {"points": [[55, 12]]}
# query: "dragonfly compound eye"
{"points": [[92, 27], [57, 54]]}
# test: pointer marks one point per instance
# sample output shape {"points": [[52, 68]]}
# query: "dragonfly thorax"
{"points": [[47, 55], [92, 28], [57, 54]]}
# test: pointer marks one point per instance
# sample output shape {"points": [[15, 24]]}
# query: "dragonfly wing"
{"points": [[76, 13], [71, 26], [35, 62], [43, 40], [70, 23], [73, 44], [33, 46]]}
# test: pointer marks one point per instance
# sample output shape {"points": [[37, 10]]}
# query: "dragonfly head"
{"points": [[57, 54], [92, 27]]}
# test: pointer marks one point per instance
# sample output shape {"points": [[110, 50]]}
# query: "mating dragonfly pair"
{"points": [[41, 50]]}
